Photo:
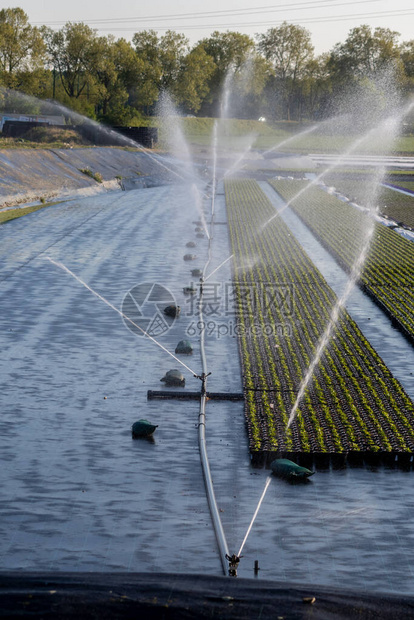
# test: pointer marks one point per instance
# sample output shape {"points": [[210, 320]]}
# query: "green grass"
{"points": [[404, 184], [199, 131], [391, 203], [96, 176], [12, 214]]}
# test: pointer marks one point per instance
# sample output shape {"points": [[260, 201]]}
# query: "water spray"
{"points": [[372, 132], [390, 126], [219, 267], [242, 155], [234, 559], [124, 316], [214, 179], [290, 139], [256, 512]]}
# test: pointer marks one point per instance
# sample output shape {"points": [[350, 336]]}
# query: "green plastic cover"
{"points": [[143, 428], [184, 347], [174, 377], [288, 469]]}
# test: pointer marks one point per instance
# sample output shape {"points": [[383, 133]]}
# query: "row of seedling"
{"points": [[388, 273], [353, 402]]}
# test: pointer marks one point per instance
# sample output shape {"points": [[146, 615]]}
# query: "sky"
{"points": [[328, 21]]}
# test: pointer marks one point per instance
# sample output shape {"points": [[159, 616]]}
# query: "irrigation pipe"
{"points": [[212, 502]]}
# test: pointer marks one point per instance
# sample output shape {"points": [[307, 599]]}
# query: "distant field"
{"points": [[290, 135], [199, 131], [404, 184], [391, 203]]}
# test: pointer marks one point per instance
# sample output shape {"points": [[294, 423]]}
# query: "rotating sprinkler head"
{"points": [[233, 564], [203, 379]]}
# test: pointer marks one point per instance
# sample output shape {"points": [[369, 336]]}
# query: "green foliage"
{"points": [[352, 403], [12, 214], [228, 50], [290, 51], [191, 86], [22, 49], [70, 49], [365, 53], [113, 80], [388, 273], [94, 175]]}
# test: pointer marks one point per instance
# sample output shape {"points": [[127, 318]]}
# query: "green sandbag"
{"points": [[288, 469], [184, 347], [143, 428], [174, 378]]}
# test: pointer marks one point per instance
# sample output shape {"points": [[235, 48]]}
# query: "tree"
{"points": [[116, 69], [248, 96], [173, 48], [316, 87], [407, 57], [71, 51], [289, 49], [162, 59], [22, 50], [365, 53], [367, 73], [191, 86], [229, 51]]}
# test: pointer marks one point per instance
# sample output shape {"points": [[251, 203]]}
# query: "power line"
{"points": [[303, 20], [226, 13]]}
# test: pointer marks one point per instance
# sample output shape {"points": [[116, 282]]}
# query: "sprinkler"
{"points": [[203, 379], [233, 564]]}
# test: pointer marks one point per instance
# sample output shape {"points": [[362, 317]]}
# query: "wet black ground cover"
{"points": [[79, 494]]}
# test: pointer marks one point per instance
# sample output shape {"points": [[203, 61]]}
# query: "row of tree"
{"points": [[278, 75]]}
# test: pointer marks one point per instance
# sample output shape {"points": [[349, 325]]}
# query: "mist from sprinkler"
{"points": [[235, 166], [366, 138], [336, 311], [256, 512], [388, 129], [178, 145], [55, 106], [290, 139], [122, 314]]}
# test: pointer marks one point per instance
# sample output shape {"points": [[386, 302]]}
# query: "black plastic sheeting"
{"points": [[139, 595]]}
